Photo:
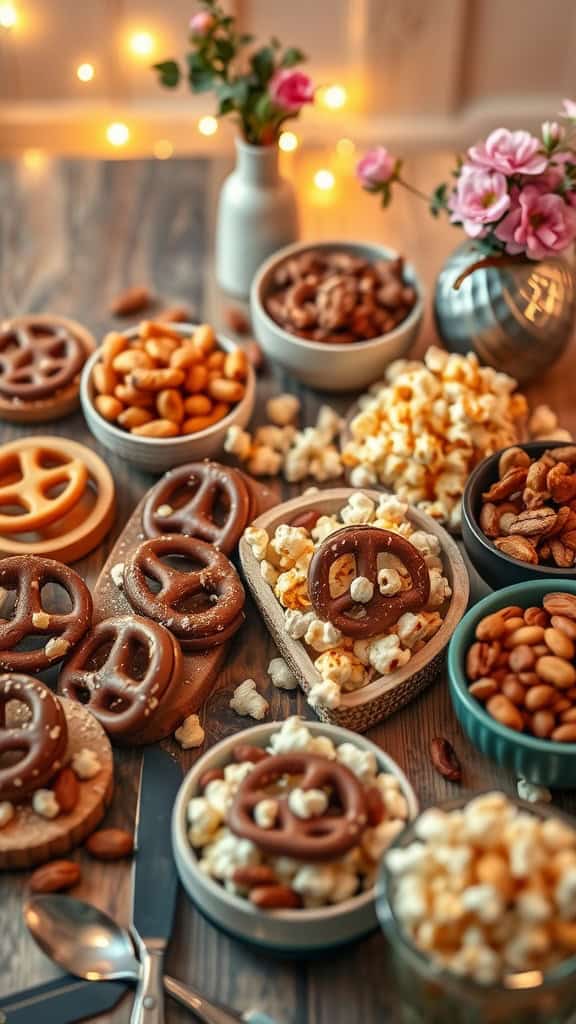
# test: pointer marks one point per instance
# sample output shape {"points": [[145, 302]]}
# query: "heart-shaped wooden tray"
{"points": [[365, 707]]}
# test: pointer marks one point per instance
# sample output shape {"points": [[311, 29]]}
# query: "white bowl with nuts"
{"points": [[334, 314], [161, 395], [298, 902]]}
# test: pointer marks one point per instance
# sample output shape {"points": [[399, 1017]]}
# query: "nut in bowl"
{"points": [[519, 514], [283, 868], [336, 313], [512, 671], [164, 394], [361, 594]]}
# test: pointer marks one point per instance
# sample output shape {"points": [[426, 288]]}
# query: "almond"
{"points": [[131, 300], [110, 844], [55, 877], [275, 897], [66, 790]]}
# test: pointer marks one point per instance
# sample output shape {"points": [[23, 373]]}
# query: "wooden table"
{"points": [[72, 235]]}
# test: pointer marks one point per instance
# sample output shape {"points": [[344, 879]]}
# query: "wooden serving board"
{"points": [[380, 698]]}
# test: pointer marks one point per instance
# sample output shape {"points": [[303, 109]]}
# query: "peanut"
{"points": [[156, 380], [560, 604], [525, 635], [204, 338], [535, 617], [155, 329], [131, 396], [540, 696], [198, 405], [484, 688], [170, 405], [565, 625], [113, 344], [156, 428], [565, 733], [521, 658], [226, 390], [517, 622], [559, 643], [185, 357], [236, 365], [104, 378], [505, 712], [196, 423], [569, 715], [216, 360], [134, 416], [108, 407], [55, 876], [543, 723], [132, 359], [514, 690], [161, 349], [197, 378], [491, 627], [561, 705], [557, 671]]}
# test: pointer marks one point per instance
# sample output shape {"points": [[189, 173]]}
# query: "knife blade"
{"points": [[155, 880], [64, 1000]]}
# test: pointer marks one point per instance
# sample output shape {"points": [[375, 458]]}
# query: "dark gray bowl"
{"points": [[497, 569]]}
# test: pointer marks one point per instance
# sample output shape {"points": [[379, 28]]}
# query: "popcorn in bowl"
{"points": [[423, 429], [301, 823], [348, 653]]}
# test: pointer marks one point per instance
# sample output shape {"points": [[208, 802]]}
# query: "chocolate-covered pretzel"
{"points": [[108, 674], [324, 837], [40, 736], [27, 575], [216, 582], [366, 543], [205, 485], [38, 359]]}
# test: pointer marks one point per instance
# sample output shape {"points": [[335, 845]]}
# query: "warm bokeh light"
{"points": [[85, 72], [333, 97], [142, 43], [345, 147], [8, 15], [117, 133], [163, 149], [324, 179], [288, 142], [207, 125], [34, 159]]}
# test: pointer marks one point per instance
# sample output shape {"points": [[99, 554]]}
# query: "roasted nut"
{"points": [[513, 689], [541, 696], [559, 643], [170, 405], [176, 315], [484, 688], [113, 344], [196, 423], [533, 522], [375, 807], [564, 625], [521, 658], [505, 712], [223, 390], [249, 877], [131, 301], [275, 897], [244, 752], [236, 320], [157, 428], [535, 617], [481, 658], [542, 723], [529, 635], [132, 359], [161, 349], [560, 604], [56, 876], [556, 671], [563, 555], [511, 483], [197, 405], [131, 396], [156, 380], [108, 407], [104, 378], [197, 378], [210, 775], [236, 365], [134, 416], [66, 790], [564, 733], [158, 329], [204, 339], [445, 760], [491, 627], [518, 547], [512, 458], [110, 844], [185, 357]]}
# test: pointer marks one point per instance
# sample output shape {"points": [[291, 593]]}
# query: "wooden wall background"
{"points": [[417, 71]]}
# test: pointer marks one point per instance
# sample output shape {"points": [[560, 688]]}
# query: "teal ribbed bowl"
{"points": [[541, 761]]}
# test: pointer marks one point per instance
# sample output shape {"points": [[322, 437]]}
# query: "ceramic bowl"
{"points": [[157, 454], [360, 709], [281, 931], [541, 761], [498, 569], [332, 367]]}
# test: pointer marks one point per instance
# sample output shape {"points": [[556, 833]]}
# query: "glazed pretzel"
{"points": [[208, 482], [121, 700], [366, 543], [37, 360], [217, 580], [321, 838], [29, 491], [41, 739], [27, 574]]}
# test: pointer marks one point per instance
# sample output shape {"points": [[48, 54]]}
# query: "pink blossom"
{"points": [[509, 153], [290, 89], [552, 133], [480, 198], [539, 225], [376, 168], [569, 109], [201, 24]]}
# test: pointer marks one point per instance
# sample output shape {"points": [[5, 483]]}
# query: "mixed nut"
{"points": [[338, 298], [522, 667], [530, 511]]}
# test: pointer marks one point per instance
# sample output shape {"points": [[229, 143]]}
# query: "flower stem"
{"points": [[413, 190]]}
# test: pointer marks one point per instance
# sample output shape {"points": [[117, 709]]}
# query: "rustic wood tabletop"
{"points": [[72, 235]]}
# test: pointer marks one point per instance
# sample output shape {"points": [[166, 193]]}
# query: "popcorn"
{"points": [[532, 793], [362, 590], [292, 589], [247, 701], [361, 762], [283, 409], [266, 813], [322, 636], [56, 647], [296, 622], [359, 510], [238, 442], [117, 574], [45, 804], [227, 853], [264, 461], [325, 525], [440, 589], [277, 438], [281, 675], [258, 540], [203, 820], [293, 735], [389, 581], [6, 813], [85, 764], [190, 733], [326, 694], [307, 803], [341, 667], [362, 476], [268, 573], [386, 655], [292, 546]]}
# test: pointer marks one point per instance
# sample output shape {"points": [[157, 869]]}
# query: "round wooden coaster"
{"points": [[80, 527], [28, 839], [66, 399]]}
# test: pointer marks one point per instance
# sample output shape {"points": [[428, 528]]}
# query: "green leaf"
{"points": [[439, 199], [233, 95], [262, 64], [168, 73], [200, 73], [291, 57], [224, 49]]}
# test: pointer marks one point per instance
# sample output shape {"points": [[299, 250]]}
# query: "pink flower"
{"points": [[509, 153], [201, 24], [538, 225], [376, 168], [480, 198], [569, 109], [290, 89]]}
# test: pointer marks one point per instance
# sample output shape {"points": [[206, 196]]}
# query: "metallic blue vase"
{"points": [[517, 318]]}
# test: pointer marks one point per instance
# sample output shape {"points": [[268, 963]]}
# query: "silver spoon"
{"points": [[89, 944]]}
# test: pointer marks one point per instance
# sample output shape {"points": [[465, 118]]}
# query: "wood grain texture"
{"points": [[70, 238]]}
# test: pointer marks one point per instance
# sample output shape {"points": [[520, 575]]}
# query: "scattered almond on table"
{"points": [[131, 301]]}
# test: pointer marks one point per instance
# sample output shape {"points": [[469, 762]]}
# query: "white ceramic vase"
{"points": [[257, 215]]}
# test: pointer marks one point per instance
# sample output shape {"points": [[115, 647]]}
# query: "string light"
{"points": [[142, 43], [207, 125], [8, 15], [324, 179], [333, 97], [117, 133], [34, 159], [288, 142], [345, 147], [163, 149], [85, 72]]}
